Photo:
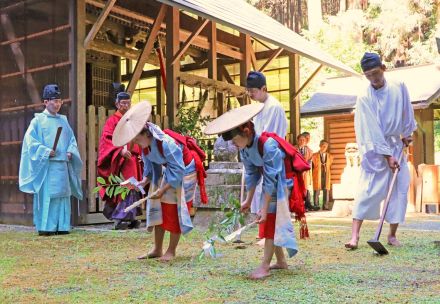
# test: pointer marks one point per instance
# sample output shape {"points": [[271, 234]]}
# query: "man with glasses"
{"points": [[119, 160], [50, 166], [271, 119], [384, 123]]}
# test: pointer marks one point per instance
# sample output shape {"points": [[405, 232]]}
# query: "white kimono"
{"points": [[382, 118], [271, 119]]}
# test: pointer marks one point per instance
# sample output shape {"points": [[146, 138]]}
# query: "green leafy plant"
{"points": [[112, 187], [217, 231], [191, 122]]}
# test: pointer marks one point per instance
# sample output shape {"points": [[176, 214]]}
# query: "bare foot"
{"points": [[261, 242], [392, 240], [259, 273], [279, 265], [168, 256], [151, 255], [352, 244]]}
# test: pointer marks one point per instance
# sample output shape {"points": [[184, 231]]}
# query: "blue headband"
{"points": [[255, 80], [370, 61]]}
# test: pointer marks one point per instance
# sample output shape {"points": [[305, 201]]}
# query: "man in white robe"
{"points": [[271, 119], [384, 123]]}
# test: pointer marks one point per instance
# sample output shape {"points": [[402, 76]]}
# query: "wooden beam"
{"points": [[19, 58], [307, 81], [212, 52], [190, 40], [147, 49], [95, 28], [252, 54], [202, 42], [37, 69], [226, 75], [38, 34], [245, 64], [274, 55], [120, 51], [293, 96], [192, 80], [172, 70]]}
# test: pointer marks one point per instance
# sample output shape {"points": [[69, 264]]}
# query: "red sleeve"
{"points": [[109, 158]]}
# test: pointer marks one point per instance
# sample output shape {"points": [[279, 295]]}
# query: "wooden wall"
{"points": [[338, 131], [34, 51]]}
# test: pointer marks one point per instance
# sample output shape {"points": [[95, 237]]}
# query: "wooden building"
{"points": [[335, 101], [85, 45]]}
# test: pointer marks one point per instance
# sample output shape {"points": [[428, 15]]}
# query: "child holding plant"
{"points": [[275, 224]]}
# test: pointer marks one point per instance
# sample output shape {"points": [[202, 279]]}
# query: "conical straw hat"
{"points": [[233, 118], [131, 123]]}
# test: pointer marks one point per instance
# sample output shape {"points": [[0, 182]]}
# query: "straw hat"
{"points": [[131, 123], [233, 118]]}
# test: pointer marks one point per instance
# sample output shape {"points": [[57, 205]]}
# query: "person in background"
{"points": [[119, 160], [321, 171], [271, 119], [307, 153]]}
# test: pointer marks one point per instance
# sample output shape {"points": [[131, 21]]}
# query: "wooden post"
{"points": [[160, 96], [172, 70], [91, 156], [213, 70], [294, 99], [77, 94], [245, 63]]}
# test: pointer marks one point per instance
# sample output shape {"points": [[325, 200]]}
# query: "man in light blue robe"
{"points": [[51, 176]]}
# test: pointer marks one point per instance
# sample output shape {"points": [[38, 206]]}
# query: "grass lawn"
{"points": [[101, 267]]}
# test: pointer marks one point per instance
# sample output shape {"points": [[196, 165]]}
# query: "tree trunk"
{"points": [[314, 13]]}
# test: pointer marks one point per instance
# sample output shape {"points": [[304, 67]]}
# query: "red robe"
{"points": [[111, 162]]}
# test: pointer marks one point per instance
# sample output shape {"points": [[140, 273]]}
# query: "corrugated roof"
{"points": [[247, 19], [338, 95]]}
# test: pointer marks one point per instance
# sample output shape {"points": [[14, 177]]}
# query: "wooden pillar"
{"points": [[172, 70], [160, 96], [77, 77], [220, 98], [294, 99], [245, 64], [213, 70], [77, 92]]}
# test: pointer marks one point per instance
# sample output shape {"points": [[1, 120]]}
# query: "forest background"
{"points": [[402, 31]]}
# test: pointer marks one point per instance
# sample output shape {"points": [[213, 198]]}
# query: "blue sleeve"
{"points": [[252, 173], [152, 170], [273, 165], [175, 168], [34, 160]]}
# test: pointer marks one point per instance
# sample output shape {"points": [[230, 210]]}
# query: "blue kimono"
{"points": [[52, 180], [271, 167], [174, 173]]}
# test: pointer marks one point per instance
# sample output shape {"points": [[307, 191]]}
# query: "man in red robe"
{"points": [[117, 160]]}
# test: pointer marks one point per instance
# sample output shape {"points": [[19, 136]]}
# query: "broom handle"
{"points": [[387, 200]]}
